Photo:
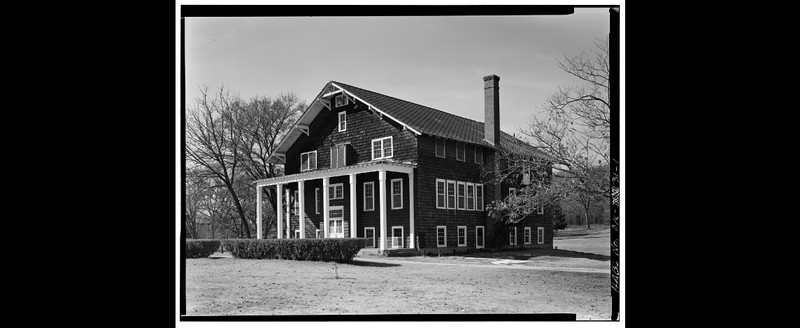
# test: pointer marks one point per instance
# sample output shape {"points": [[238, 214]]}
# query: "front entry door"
{"points": [[336, 222], [397, 237]]}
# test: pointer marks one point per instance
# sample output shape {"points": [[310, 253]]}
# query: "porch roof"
{"points": [[372, 166]]}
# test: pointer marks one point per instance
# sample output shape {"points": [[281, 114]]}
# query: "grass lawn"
{"points": [[579, 239], [380, 285]]}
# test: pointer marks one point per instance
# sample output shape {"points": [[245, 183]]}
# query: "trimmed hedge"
{"points": [[341, 250], [198, 248]]}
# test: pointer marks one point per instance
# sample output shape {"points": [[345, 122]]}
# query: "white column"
{"points": [[325, 201], [302, 214], [258, 212], [353, 206], [382, 188], [288, 213], [411, 208], [279, 209]]}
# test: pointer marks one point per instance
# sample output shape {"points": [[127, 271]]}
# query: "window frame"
{"points": [[458, 236], [374, 237], [297, 202], [482, 236], [526, 236], [444, 147], [392, 194], [296, 233], [444, 194], [335, 149], [540, 232], [383, 153], [512, 242], [309, 168], [339, 126], [455, 192], [464, 197], [479, 208], [364, 194], [461, 150], [540, 210], [332, 195], [445, 236], [316, 200], [476, 155], [344, 100]]}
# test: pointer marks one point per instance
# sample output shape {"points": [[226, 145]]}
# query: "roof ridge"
{"points": [[411, 102]]}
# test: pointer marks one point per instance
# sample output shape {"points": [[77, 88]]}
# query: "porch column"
{"points": [[258, 212], [382, 184], [353, 205], [302, 212], [288, 213], [325, 201], [279, 209], [411, 208]]}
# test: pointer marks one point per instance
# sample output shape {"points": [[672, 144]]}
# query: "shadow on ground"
{"points": [[533, 253], [373, 264]]}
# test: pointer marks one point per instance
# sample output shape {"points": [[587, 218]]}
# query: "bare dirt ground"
{"points": [[520, 281]]}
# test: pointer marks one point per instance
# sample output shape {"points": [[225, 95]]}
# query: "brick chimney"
{"points": [[491, 105]]}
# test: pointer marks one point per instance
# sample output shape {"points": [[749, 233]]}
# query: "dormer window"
{"points": [[341, 100]]}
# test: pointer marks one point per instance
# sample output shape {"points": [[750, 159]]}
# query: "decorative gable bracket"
{"points": [[303, 128], [280, 156]]}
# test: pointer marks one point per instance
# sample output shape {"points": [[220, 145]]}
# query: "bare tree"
{"points": [[231, 139], [212, 141], [193, 201], [576, 131]]}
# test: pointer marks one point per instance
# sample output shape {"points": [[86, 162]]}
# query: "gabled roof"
{"points": [[417, 118]]}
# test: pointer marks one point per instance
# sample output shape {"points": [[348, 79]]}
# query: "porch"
{"points": [[333, 217]]}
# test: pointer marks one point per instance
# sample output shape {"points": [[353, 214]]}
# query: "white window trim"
{"points": [[461, 183], [482, 235], [331, 218], [309, 161], [316, 200], [341, 115], [526, 236], [445, 236], [466, 196], [465, 236], [297, 202], [364, 191], [318, 234], [436, 146], [335, 149], [538, 231], [391, 189], [402, 233], [382, 140], [332, 195], [541, 209], [476, 155], [373, 234], [515, 238], [483, 195], [444, 193], [447, 195], [464, 148], [296, 233]]}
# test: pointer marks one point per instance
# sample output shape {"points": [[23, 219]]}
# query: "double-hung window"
{"points": [[460, 151], [342, 121], [316, 201], [461, 196], [369, 196], [540, 235], [478, 154], [382, 148], [470, 196], [527, 238], [512, 236], [462, 235], [440, 147], [479, 197], [541, 209], [339, 156], [451, 195], [397, 194], [441, 236], [308, 161], [441, 199]]}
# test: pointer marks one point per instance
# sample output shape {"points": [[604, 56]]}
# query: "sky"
{"points": [[437, 62]]}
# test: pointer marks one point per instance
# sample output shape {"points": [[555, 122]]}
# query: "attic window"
{"points": [[341, 100]]}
